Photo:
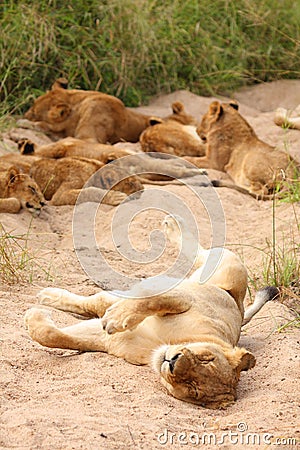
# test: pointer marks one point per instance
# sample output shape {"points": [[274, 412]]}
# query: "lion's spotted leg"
{"points": [[85, 336], [127, 314], [91, 306]]}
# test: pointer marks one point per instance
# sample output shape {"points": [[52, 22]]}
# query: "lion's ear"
{"points": [[26, 147], [234, 104], [59, 113], [215, 110], [177, 107], [155, 121], [60, 83], [240, 359], [12, 176]]}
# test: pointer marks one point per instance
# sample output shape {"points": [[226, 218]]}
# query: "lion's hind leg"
{"points": [[84, 336], [85, 307]]}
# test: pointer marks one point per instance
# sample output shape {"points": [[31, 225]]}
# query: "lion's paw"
{"points": [[114, 198], [121, 316], [34, 315], [52, 296]]}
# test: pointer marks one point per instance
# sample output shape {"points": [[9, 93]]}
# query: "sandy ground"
{"points": [[54, 399]]}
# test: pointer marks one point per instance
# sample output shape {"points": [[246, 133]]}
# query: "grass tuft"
{"points": [[139, 48], [18, 263]]}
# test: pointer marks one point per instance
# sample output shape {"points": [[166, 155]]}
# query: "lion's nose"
{"points": [[173, 361]]}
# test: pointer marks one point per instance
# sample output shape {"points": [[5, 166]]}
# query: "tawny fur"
{"points": [[152, 170], [18, 190], [73, 147], [234, 148], [190, 333], [88, 115], [175, 134], [62, 181]]}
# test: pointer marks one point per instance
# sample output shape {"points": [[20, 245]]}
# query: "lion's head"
{"points": [[202, 373], [225, 115], [22, 187], [52, 107], [180, 115]]}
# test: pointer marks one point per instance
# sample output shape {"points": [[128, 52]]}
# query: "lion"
{"points": [[151, 170], [283, 117], [73, 147], [189, 334], [175, 134], [256, 167], [88, 115], [62, 180], [19, 190]]}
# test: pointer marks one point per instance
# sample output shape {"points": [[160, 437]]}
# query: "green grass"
{"points": [[280, 263], [18, 262], [139, 48]]}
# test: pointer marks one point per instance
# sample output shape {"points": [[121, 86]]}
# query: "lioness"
{"points": [[233, 147], [19, 190], [189, 333], [175, 135], [88, 115]]}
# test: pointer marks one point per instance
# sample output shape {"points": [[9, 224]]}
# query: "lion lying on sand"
{"points": [[87, 115], [61, 171], [233, 147], [73, 147], [152, 170], [175, 135], [189, 333], [62, 181], [18, 190]]}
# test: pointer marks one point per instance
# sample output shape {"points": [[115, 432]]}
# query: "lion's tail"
{"points": [[262, 296], [222, 183]]}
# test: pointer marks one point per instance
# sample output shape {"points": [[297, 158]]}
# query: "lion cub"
{"points": [[88, 115], [19, 190], [176, 134], [233, 147]]}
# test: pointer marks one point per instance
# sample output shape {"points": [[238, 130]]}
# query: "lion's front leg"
{"points": [[10, 205], [87, 307], [66, 195], [202, 162], [129, 313]]}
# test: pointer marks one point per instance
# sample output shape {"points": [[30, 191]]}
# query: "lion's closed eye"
{"points": [[207, 360], [32, 189]]}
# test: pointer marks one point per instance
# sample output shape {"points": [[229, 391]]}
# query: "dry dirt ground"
{"points": [[55, 399]]}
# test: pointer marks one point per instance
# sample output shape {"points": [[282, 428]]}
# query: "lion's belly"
{"points": [[137, 346]]}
